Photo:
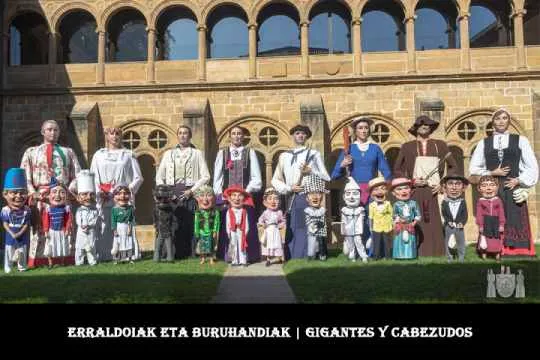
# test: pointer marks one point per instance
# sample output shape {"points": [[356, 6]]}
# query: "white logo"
{"points": [[505, 283]]}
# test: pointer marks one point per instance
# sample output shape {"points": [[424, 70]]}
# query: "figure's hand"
{"points": [[297, 188], [305, 169], [347, 160], [459, 226], [520, 195], [186, 195], [129, 231], [511, 183], [334, 240], [501, 171], [436, 189], [115, 233], [420, 182], [13, 235]]}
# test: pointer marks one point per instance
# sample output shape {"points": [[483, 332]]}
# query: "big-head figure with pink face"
{"points": [[406, 216]]}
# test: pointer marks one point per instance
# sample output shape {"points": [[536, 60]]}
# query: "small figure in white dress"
{"points": [[122, 223], [272, 225]]}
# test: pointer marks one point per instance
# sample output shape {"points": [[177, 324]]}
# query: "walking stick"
{"points": [[346, 145]]}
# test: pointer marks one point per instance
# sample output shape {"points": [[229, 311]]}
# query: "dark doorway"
{"points": [[143, 199]]}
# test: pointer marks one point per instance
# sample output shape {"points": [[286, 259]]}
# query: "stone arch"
{"points": [[258, 119], [144, 127], [403, 5], [258, 6], [22, 9], [255, 124], [166, 5], [393, 126], [514, 124], [212, 5], [67, 9], [112, 9], [455, 2], [306, 10]]}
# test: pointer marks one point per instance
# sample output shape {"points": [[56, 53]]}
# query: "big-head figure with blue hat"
{"points": [[16, 218]]}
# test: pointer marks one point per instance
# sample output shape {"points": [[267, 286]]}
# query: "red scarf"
{"points": [[233, 226], [49, 153]]}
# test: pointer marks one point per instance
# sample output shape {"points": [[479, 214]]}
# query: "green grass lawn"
{"points": [[145, 281], [426, 280]]}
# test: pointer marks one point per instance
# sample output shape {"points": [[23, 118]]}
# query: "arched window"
{"points": [[278, 30], [435, 25], [177, 37], [228, 32], [382, 26], [531, 23], [329, 29], [78, 38], [128, 40], [490, 24], [28, 40]]}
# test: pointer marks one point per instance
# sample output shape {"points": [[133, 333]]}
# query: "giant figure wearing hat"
{"points": [[424, 160], [16, 220], [289, 179], [42, 163], [455, 214]]}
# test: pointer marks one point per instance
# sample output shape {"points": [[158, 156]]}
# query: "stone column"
{"points": [[151, 59], [304, 45], [202, 51], [196, 115], [464, 39], [84, 119], [52, 58], [519, 39], [357, 45], [252, 28], [100, 71], [411, 47]]}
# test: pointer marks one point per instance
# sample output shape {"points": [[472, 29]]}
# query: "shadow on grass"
{"points": [[427, 280], [142, 282]]}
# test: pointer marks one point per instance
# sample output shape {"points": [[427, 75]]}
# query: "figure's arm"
{"points": [[477, 165], [281, 220], [278, 180], [416, 211], [8, 230], [255, 179], [45, 221], [114, 219], [218, 173], [197, 225], [399, 165], [217, 221], [74, 169], [338, 171], [161, 172], [319, 169], [465, 212], [26, 164], [382, 164], [479, 217], [528, 165], [502, 217], [371, 213], [204, 174], [451, 164], [137, 176]]}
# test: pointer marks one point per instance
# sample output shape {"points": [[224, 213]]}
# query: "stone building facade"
{"points": [[459, 87]]}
